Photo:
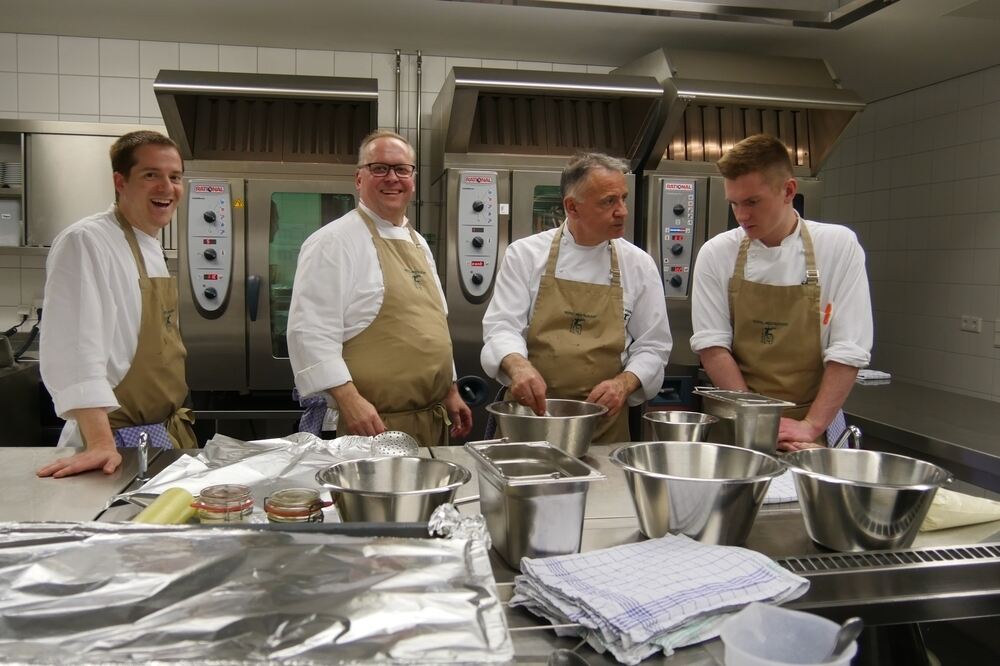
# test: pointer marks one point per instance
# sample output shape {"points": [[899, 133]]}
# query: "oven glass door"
{"points": [[281, 215]]}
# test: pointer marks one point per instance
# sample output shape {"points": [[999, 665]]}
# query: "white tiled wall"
{"points": [[79, 79], [917, 176]]}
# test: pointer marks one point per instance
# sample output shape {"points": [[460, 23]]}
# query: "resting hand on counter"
{"points": [[794, 435], [357, 415], [526, 384], [458, 413], [101, 452], [612, 393]]}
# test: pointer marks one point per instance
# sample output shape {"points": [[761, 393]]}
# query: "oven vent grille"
{"points": [[839, 562]]}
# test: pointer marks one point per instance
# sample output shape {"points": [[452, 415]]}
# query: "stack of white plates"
{"points": [[10, 173]]}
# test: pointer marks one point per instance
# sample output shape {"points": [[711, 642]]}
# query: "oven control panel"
{"points": [[677, 229], [478, 232], [210, 242]]}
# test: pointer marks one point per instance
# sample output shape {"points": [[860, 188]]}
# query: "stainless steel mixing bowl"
{"points": [[567, 425], [863, 500], [680, 426], [398, 489], [709, 492]]}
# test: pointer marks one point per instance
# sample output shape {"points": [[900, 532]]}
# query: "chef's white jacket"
{"points": [[647, 333], [337, 293], [846, 337], [91, 314]]}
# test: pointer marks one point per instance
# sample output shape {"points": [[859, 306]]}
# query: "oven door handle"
{"points": [[253, 295]]}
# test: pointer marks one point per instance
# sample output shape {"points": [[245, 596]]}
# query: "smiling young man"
{"points": [[367, 326], [578, 312], [111, 352], [780, 305]]}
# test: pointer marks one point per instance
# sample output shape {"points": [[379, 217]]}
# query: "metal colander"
{"points": [[394, 443]]}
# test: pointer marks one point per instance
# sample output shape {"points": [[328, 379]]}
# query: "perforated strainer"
{"points": [[394, 443]]}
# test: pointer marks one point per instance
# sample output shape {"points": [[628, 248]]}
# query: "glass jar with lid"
{"points": [[224, 503], [295, 505]]}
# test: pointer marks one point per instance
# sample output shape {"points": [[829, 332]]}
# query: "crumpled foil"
{"points": [[263, 465], [446, 521], [89, 593]]}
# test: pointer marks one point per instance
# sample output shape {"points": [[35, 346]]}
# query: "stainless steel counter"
{"points": [[944, 584], [955, 431], [81, 497]]}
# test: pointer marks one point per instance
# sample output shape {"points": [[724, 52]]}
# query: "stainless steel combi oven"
{"points": [[269, 159], [500, 139]]}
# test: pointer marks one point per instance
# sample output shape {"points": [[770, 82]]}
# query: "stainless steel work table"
{"points": [[880, 588]]}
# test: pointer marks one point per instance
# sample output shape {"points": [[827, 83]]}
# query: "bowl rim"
{"points": [[464, 476], [615, 457], [790, 461], [602, 410], [648, 416]]}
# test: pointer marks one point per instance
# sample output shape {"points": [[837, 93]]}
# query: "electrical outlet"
{"points": [[23, 311], [972, 324]]}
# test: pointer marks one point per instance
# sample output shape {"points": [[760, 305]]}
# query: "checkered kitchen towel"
{"points": [[782, 489], [660, 594]]}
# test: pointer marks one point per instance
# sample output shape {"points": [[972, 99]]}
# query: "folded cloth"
{"points": [[867, 375], [639, 598], [782, 489], [951, 509]]}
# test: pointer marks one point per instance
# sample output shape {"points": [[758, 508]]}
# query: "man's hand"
{"points": [[458, 413], [612, 393], [101, 452], [104, 458], [357, 415], [794, 435], [526, 383]]}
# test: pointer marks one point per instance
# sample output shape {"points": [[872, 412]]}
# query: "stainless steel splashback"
{"points": [[712, 100]]}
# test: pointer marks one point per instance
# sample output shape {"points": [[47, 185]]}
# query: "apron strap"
{"points": [[133, 243], [812, 274], [550, 264]]}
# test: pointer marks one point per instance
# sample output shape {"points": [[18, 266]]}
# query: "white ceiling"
{"points": [[906, 45]]}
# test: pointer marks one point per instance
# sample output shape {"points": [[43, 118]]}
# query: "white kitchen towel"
{"points": [[782, 489], [658, 594]]}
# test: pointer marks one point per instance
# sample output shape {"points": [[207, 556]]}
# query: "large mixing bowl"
{"points": [[567, 425], [863, 500], [680, 426], [396, 489], [709, 492]]}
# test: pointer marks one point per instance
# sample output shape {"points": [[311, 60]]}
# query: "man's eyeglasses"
{"points": [[380, 170]]}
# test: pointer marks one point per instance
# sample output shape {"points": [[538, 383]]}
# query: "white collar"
{"points": [[378, 219]]}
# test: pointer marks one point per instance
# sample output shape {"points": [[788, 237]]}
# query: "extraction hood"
{"points": [[544, 114], [712, 100], [267, 117]]}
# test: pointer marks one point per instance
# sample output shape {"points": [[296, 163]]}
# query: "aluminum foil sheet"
{"points": [[264, 465], [89, 593]]}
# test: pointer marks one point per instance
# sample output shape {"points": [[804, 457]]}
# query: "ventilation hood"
{"points": [[267, 117], [712, 100], [529, 114]]}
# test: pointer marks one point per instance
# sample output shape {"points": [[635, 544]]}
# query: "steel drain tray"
{"points": [[900, 586]]}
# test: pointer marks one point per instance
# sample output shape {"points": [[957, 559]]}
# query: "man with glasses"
{"points": [[367, 326]]}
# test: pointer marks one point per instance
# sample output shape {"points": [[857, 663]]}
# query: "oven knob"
{"points": [[477, 206], [477, 278], [676, 248], [209, 254], [678, 210], [209, 216], [676, 281], [477, 242], [211, 293]]}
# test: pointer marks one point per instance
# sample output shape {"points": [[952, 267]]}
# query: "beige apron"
{"points": [[776, 333], [577, 335], [402, 363], [154, 388]]}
